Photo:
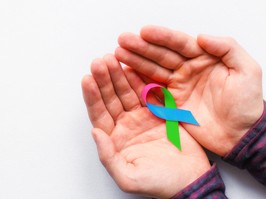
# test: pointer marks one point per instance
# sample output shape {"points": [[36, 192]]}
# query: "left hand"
{"points": [[131, 142]]}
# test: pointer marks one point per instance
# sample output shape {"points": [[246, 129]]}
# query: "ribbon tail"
{"points": [[173, 135]]}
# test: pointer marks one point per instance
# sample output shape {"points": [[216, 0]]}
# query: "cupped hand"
{"points": [[213, 77], [131, 142]]}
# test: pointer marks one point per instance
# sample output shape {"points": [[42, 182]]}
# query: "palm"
{"points": [[200, 82], [211, 96], [145, 148], [135, 150], [131, 130]]}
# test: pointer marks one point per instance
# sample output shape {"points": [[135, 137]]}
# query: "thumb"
{"points": [[230, 52], [105, 146], [114, 163]]}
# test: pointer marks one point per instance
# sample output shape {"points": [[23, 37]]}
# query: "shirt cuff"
{"points": [[209, 185]]}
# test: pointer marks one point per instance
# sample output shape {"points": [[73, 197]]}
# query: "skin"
{"points": [[131, 142], [214, 77]]}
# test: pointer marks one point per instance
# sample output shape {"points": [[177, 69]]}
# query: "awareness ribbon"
{"points": [[170, 113]]}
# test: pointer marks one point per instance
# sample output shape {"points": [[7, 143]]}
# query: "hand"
{"points": [[131, 142], [211, 76]]}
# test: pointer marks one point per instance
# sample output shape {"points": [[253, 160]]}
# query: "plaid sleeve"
{"points": [[209, 185], [250, 152]]}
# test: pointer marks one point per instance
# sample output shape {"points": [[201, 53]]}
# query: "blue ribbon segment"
{"points": [[172, 114]]}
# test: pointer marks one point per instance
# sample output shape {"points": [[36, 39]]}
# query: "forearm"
{"points": [[209, 185], [250, 152]]}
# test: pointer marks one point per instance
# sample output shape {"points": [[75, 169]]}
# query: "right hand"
{"points": [[212, 76]]}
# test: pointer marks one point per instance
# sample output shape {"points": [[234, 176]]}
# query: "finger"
{"points": [[97, 111], [101, 75], [143, 65], [125, 93], [114, 163], [162, 56], [137, 84], [231, 53], [180, 42]]}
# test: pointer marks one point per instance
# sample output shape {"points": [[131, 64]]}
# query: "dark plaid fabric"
{"points": [[250, 152], [209, 186]]}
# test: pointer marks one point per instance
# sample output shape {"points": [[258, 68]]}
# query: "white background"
{"points": [[46, 46]]}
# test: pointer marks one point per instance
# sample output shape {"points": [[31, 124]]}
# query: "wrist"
{"points": [[189, 178], [245, 133], [246, 127]]}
